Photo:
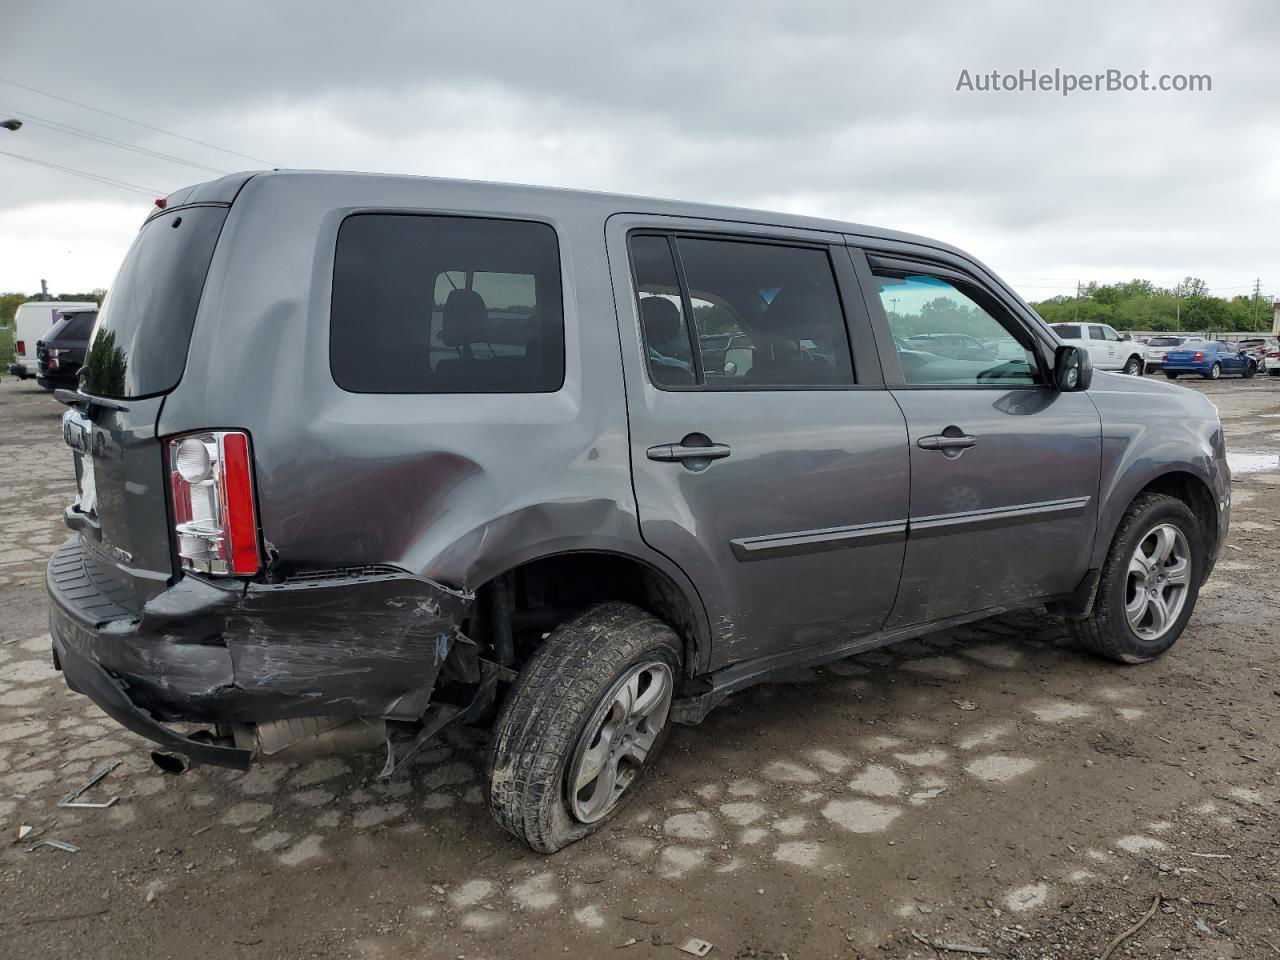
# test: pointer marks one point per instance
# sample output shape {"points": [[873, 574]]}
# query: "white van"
{"points": [[31, 322]]}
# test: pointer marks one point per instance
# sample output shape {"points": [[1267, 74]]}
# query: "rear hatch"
{"points": [[61, 351], [136, 355]]}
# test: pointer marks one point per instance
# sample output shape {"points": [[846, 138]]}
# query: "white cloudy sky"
{"points": [[840, 109]]}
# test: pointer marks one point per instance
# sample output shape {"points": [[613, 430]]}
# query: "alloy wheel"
{"points": [[1158, 581], [617, 739]]}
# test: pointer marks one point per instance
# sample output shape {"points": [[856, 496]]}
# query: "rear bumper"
{"points": [[347, 644], [19, 370], [1186, 367]]}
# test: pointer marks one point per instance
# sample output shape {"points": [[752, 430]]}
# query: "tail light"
{"points": [[1198, 356], [51, 359], [214, 518], [1164, 358], [21, 347]]}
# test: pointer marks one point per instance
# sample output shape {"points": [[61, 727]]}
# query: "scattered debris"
{"points": [[24, 831], [72, 799], [651, 923], [1205, 929], [695, 947], [1211, 856], [1111, 947], [56, 844], [965, 704], [629, 943]]}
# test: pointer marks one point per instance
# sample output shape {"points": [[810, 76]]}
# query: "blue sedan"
{"points": [[1209, 358]]}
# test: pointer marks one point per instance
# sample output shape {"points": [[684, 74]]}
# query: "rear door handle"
{"points": [[943, 442], [672, 452]]}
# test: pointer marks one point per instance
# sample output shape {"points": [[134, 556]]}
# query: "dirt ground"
{"points": [[986, 787]]}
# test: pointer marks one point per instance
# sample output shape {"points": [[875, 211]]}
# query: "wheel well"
{"points": [[1195, 493], [513, 612]]}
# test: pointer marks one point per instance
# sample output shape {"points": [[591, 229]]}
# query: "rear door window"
{"points": [[1066, 332], [435, 304], [140, 342], [749, 315]]}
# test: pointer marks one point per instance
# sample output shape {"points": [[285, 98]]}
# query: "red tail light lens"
{"points": [[1198, 356], [214, 518], [21, 347]]}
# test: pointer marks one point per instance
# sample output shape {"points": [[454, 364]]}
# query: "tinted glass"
{"points": [[1164, 341], [946, 337], [140, 342], [1065, 332], [666, 335], [776, 310], [1096, 333], [78, 325], [425, 304]]}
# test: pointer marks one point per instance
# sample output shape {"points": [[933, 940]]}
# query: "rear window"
{"points": [[73, 326], [434, 304], [1164, 341], [1067, 333], [140, 341]]}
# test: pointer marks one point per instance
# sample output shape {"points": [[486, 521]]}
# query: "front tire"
{"points": [[1250, 370], [1149, 583], [582, 725], [1133, 367]]}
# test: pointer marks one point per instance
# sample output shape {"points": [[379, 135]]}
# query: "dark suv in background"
{"points": [[60, 352], [367, 456]]}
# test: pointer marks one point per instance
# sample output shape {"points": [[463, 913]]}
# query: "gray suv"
{"points": [[363, 457]]}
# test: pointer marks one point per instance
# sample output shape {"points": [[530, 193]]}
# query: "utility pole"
{"points": [[893, 305], [1257, 292], [44, 289], [1075, 310], [1177, 307]]}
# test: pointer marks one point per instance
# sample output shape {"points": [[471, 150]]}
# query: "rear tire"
{"points": [[1274, 371], [1109, 631], [575, 697], [1214, 372], [1171, 376]]}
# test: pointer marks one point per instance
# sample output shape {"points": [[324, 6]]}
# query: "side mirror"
{"points": [[1072, 369], [1125, 336]]}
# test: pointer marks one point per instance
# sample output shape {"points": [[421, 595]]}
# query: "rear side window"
{"points": [[748, 315], [1065, 332], [139, 345], [430, 304]]}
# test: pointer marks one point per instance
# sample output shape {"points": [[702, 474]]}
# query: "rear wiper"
{"points": [[74, 398]]}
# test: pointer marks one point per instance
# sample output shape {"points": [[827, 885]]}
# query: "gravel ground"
{"points": [[987, 787]]}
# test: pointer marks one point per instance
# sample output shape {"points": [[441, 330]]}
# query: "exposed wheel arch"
{"points": [[534, 596]]}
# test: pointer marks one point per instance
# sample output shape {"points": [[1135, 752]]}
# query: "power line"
{"points": [[139, 123], [110, 182], [89, 135]]}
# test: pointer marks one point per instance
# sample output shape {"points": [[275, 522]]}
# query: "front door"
{"points": [[1004, 468], [769, 461]]}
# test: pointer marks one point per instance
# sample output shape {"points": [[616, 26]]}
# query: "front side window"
{"points": [[944, 336], [760, 315], [431, 304]]}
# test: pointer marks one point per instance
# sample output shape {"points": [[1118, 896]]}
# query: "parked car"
{"points": [[31, 321], [1273, 360], [958, 346], [1260, 348], [60, 352], [1108, 349], [1209, 358], [1155, 349], [315, 508]]}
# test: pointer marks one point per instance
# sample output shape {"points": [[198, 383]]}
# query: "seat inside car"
{"points": [[798, 312], [667, 343]]}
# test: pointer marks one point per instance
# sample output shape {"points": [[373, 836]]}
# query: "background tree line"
{"points": [[1141, 305]]}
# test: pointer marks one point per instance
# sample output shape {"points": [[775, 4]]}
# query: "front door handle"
{"points": [[671, 452], [951, 442], [939, 442]]}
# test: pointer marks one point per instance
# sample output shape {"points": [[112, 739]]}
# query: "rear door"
{"points": [[1103, 348], [1004, 468], [770, 465]]}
